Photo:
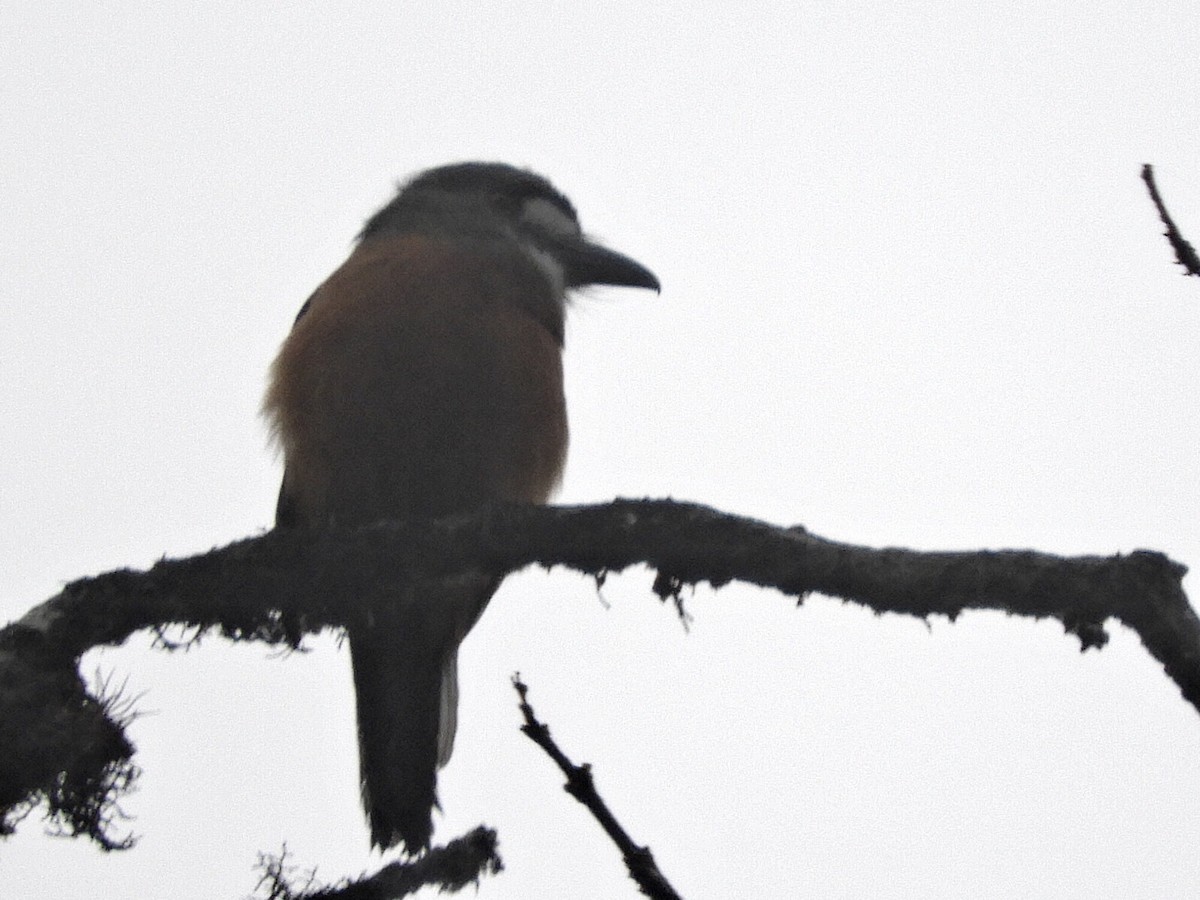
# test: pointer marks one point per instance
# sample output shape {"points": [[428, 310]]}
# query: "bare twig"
{"points": [[580, 785], [1185, 253]]}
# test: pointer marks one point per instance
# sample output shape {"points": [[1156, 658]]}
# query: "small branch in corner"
{"points": [[450, 868], [1185, 253]]}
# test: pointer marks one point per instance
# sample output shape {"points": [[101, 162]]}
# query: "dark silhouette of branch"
{"points": [[580, 785], [1185, 253], [61, 745], [452, 867]]}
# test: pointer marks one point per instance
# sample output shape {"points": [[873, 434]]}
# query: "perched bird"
{"points": [[424, 378]]}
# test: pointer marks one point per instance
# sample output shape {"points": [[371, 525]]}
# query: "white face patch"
{"points": [[547, 216], [552, 268]]}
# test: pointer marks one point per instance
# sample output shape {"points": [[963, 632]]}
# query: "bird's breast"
{"points": [[423, 379]]}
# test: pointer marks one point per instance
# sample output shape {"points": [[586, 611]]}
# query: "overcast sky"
{"points": [[913, 294]]}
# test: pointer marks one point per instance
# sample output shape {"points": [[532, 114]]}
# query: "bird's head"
{"points": [[476, 200]]}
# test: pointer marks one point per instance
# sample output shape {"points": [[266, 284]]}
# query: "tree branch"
{"points": [[639, 861], [1185, 253], [283, 585], [451, 867]]}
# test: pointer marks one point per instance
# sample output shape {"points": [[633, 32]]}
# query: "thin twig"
{"points": [[639, 860], [1185, 253]]}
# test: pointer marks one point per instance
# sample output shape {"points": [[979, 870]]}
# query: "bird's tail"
{"points": [[405, 660]]}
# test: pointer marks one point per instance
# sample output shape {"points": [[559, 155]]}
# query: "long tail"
{"points": [[405, 661]]}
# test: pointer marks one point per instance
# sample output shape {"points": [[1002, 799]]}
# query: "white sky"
{"points": [[914, 294]]}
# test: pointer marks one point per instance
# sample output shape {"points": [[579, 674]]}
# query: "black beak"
{"points": [[587, 263]]}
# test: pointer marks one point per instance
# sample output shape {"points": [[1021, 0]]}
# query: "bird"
{"points": [[423, 378]]}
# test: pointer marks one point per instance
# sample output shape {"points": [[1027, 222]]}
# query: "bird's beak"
{"points": [[587, 263]]}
